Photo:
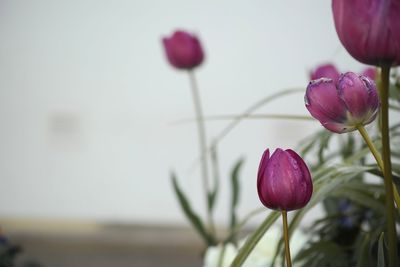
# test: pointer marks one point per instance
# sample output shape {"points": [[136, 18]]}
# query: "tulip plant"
{"points": [[359, 227]]}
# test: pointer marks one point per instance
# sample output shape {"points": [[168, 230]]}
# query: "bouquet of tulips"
{"points": [[360, 197]]}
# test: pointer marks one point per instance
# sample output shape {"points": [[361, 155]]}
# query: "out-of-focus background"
{"points": [[89, 109]]}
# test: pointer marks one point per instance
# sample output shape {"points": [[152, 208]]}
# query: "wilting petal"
{"points": [[323, 102], [354, 93]]}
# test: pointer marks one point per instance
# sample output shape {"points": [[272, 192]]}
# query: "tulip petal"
{"points": [[323, 102], [304, 186], [355, 95], [262, 166], [373, 98], [282, 187], [369, 30]]}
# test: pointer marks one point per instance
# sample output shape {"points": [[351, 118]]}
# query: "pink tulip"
{"points": [[284, 181], [183, 50], [369, 30], [342, 106]]}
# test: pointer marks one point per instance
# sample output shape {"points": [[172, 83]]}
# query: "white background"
{"points": [[88, 101]]}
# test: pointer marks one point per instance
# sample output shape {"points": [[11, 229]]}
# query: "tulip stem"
{"points": [[286, 238], [387, 166], [202, 146], [377, 157]]}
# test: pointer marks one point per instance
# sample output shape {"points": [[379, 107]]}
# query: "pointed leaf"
{"points": [[235, 191], [252, 240], [212, 195], [381, 251], [191, 214]]}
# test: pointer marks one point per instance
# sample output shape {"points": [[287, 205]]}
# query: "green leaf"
{"points": [[191, 214], [253, 108], [326, 182], [381, 251], [235, 191], [321, 253]]}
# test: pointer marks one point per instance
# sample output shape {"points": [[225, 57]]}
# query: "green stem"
{"points": [[371, 146], [378, 158], [387, 166], [286, 238], [203, 148]]}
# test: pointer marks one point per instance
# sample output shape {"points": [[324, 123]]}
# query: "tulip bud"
{"points": [[284, 181], [369, 30], [342, 106], [325, 71], [183, 50]]}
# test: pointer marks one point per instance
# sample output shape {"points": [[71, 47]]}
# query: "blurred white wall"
{"points": [[87, 100]]}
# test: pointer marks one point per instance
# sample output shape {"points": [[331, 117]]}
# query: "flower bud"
{"points": [[183, 50], [369, 30], [284, 181], [341, 107], [325, 71]]}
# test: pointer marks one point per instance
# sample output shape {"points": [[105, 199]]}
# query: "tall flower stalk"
{"points": [[387, 166], [184, 52], [202, 147], [284, 183]]}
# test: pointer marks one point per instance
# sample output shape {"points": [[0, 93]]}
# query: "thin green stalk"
{"points": [[387, 167], [371, 146], [286, 238], [378, 158], [203, 148]]}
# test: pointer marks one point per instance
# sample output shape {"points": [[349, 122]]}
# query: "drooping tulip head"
{"points": [[325, 71], [341, 107], [369, 29], [284, 181], [183, 50]]}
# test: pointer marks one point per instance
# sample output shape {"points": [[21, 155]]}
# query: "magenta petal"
{"points": [[354, 94], [304, 186], [284, 182], [369, 30], [323, 102], [183, 50], [262, 166]]}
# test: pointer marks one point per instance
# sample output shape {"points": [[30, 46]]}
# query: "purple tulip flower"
{"points": [[325, 71], [183, 50], [342, 106], [284, 181], [369, 30]]}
